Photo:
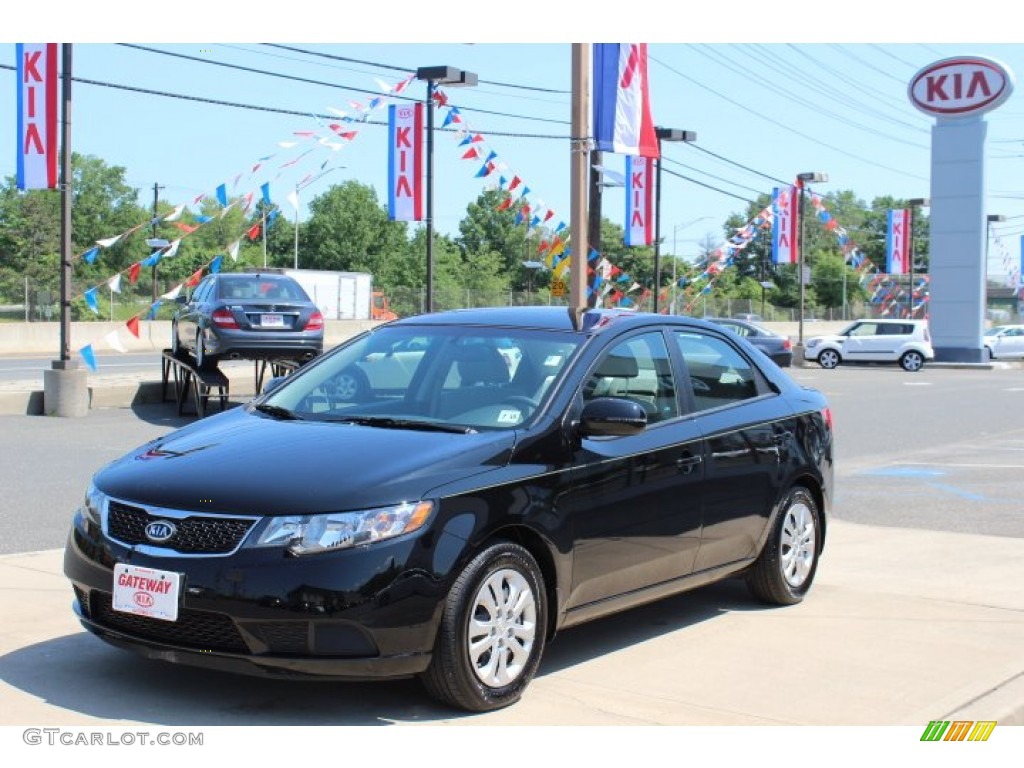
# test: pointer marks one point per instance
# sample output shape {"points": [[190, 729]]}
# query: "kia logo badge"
{"points": [[960, 86], [160, 531]]}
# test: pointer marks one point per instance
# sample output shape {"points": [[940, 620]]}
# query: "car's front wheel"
{"points": [[786, 566], [911, 361], [200, 354], [828, 358], [492, 631]]}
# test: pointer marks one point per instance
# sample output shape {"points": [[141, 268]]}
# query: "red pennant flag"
{"points": [[542, 246], [254, 231], [548, 215], [441, 98], [470, 154], [133, 324], [477, 138], [133, 273], [198, 199], [516, 181], [188, 229], [505, 204], [193, 281]]}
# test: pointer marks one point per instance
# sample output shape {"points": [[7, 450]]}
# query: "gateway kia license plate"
{"points": [[146, 592]]}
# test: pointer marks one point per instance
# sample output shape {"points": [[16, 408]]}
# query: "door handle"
{"points": [[686, 463]]}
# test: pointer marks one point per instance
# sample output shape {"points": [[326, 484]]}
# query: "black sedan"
{"points": [[501, 474], [247, 316], [778, 347]]}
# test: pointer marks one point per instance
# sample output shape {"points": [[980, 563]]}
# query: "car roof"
{"points": [[550, 318]]}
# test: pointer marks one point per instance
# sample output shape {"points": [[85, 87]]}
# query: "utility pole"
{"points": [[156, 199], [578, 162]]}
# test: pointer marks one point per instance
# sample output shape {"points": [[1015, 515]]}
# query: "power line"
{"points": [[670, 172]]}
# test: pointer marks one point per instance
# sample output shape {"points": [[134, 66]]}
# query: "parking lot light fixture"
{"points": [[663, 134], [434, 76], [810, 177]]}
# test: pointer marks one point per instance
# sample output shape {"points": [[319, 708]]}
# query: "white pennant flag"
{"points": [[108, 241], [172, 249], [287, 144], [172, 294], [233, 250], [114, 341], [175, 214], [114, 283], [293, 198]]}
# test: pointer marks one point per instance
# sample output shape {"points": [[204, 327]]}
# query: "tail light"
{"points": [[223, 318], [787, 344], [826, 414], [315, 322]]}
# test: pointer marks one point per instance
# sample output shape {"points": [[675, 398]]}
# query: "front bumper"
{"points": [[359, 614]]}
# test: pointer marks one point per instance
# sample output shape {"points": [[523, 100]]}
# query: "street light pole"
{"points": [[434, 76], [663, 134], [803, 179], [675, 255], [914, 203]]}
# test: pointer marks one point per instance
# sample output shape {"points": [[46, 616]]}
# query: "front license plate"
{"points": [[146, 592], [272, 321]]}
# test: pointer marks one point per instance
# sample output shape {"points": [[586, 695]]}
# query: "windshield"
{"points": [[408, 376]]}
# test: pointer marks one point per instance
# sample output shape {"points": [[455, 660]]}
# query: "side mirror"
{"points": [[181, 298], [611, 417], [273, 383]]}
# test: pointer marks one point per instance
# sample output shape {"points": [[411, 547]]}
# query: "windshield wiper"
{"points": [[388, 422], [277, 412]]}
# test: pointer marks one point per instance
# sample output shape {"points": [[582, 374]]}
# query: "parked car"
{"points": [[1004, 342], [750, 318], [448, 527], [778, 347], [247, 316], [906, 342]]}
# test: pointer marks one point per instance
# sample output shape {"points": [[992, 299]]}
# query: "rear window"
{"points": [[260, 288]]}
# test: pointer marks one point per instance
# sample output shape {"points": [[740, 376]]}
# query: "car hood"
{"points": [[242, 462]]}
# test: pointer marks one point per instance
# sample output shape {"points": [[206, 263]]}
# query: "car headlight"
{"points": [[94, 505], [310, 534]]}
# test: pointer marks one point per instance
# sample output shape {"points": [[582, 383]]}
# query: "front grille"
{"points": [[201, 630], [194, 535], [83, 599], [283, 636]]}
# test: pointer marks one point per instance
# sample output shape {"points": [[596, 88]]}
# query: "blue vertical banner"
{"points": [[784, 223], [405, 162], [639, 200], [37, 115], [622, 100], [897, 242]]}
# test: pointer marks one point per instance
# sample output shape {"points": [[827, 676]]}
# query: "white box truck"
{"points": [[338, 295]]}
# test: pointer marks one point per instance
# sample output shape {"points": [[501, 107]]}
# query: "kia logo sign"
{"points": [[160, 531], [143, 599], [961, 86]]}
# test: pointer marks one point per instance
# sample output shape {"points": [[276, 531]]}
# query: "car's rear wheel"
{"points": [[828, 358], [351, 385], [785, 569], [911, 361], [202, 358], [492, 631]]}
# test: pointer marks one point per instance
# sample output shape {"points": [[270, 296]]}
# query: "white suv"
{"points": [[906, 342]]}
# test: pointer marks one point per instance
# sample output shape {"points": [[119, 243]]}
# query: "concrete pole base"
{"points": [[65, 390]]}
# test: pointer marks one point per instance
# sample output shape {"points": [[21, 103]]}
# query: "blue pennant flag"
{"points": [[265, 189], [222, 195], [90, 299], [153, 259], [450, 117], [594, 255], [89, 357], [203, 219], [272, 215], [90, 255], [215, 264], [153, 309]]}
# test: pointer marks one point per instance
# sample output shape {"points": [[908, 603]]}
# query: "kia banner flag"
{"points": [[639, 201], [897, 242], [622, 102], [405, 162], [784, 245], [37, 115]]}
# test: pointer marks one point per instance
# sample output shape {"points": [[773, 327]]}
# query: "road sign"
{"points": [[558, 288]]}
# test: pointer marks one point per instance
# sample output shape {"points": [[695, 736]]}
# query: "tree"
{"points": [[485, 229]]}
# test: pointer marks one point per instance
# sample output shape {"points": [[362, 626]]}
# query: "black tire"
{"points": [[175, 344], [351, 385], [202, 358], [494, 671], [911, 361], [829, 358], [785, 569]]}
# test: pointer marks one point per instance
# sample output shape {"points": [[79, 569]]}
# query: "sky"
{"points": [[772, 105]]}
